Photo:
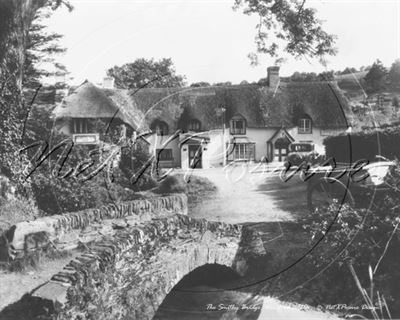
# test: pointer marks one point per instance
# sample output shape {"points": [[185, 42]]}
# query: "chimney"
{"points": [[108, 82], [273, 76]]}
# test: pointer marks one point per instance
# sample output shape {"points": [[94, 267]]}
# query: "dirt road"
{"points": [[251, 196]]}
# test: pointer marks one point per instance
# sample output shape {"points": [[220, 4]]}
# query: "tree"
{"points": [[304, 76], [394, 73], [348, 70], [41, 47], [291, 23], [15, 20], [326, 76], [146, 73], [395, 103], [376, 77], [200, 84]]}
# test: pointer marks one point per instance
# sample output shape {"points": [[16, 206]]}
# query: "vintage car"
{"points": [[300, 152]]}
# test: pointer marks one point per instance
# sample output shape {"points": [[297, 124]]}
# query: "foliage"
{"points": [[376, 77], [60, 193], [348, 70], [346, 239], [364, 145], [394, 73], [132, 160], [38, 125], [304, 76], [196, 188], [172, 184], [326, 76], [200, 84], [41, 48], [312, 76], [290, 22], [146, 73], [16, 19], [395, 102], [14, 210], [227, 83], [109, 292]]}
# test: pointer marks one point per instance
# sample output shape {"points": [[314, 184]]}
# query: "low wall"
{"points": [[141, 264], [67, 230]]}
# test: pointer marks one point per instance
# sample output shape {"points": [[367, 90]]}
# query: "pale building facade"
{"points": [[204, 127]]}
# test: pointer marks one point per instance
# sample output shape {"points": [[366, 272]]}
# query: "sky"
{"points": [[209, 41]]}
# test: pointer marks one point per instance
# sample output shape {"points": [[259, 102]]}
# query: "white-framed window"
{"points": [[80, 125], [194, 125], [238, 125], [305, 125], [244, 151]]}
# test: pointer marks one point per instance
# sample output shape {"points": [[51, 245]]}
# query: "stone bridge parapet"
{"points": [[67, 230], [134, 269]]}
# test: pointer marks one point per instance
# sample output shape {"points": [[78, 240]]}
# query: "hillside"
{"points": [[370, 110]]}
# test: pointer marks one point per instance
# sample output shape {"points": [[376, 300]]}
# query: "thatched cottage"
{"points": [[208, 126]]}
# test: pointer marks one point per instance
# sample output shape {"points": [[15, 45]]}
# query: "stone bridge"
{"points": [[136, 265]]}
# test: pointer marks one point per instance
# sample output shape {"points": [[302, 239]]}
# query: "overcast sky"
{"points": [[208, 41]]}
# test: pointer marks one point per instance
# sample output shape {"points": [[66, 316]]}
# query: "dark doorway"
{"points": [[195, 156], [281, 148]]}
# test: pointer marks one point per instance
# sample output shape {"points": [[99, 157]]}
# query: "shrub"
{"points": [[58, 194], [358, 238], [15, 210], [172, 184], [196, 188], [132, 160], [364, 145]]}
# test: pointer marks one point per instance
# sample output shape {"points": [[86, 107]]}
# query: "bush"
{"points": [[364, 145], [172, 184], [57, 194], [15, 210], [358, 238], [132, 160], [196, 189]]}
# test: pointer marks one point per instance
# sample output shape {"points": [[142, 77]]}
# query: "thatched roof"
{"points": [[259, 105], [89, 101]]}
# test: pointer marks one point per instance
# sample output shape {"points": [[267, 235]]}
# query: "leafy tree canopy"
{"points": [[294, 27], [146, 73], [312, 76], [376, 77], [42, 48], [15, 21], [394, 73], [200, 84], [348, 70]]}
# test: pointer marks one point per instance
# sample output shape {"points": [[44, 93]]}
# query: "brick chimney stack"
{"points": [[273, 76], [108, 82]]}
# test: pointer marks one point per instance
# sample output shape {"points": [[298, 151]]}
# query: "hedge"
{"points": [[364, 145]]}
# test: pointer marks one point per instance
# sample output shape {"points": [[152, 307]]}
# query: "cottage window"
{"points": [[194, 125], [238, 125], [305, 125], [244, 151], [80, 126], [160, 128], [164, 154]]}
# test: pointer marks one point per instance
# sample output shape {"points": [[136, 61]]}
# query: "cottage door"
{"points": [[195, 156], [281, 148]]}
